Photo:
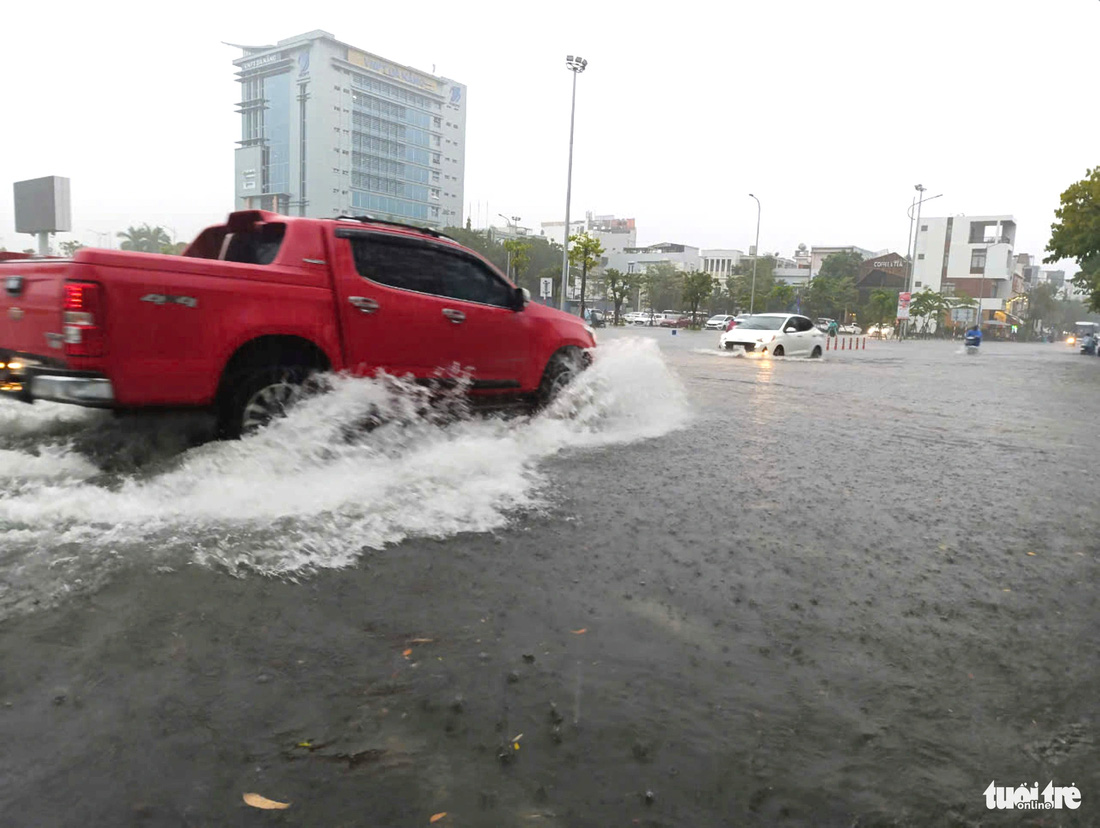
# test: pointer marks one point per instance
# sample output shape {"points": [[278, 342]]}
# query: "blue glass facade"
{"points": [[393, 143], [277, 134], [386, 204]]}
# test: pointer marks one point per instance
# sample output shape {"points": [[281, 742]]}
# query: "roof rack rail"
{"points": [[431, 231]]}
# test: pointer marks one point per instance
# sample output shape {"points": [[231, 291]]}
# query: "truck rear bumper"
{"points": [[91, 391], [27, 380]]}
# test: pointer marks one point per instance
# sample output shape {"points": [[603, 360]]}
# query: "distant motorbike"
{"points": [[1088, 346], [972, 344]]}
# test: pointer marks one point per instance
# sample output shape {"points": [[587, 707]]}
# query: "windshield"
{"points": [[761, 323]]}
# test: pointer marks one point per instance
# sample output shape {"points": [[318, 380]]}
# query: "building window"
{"points": [[918, 284], [919, 255], [923, 228], [977, 261]]}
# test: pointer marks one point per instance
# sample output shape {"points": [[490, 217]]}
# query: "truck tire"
{"points": [[254, 397], [564, 367]]}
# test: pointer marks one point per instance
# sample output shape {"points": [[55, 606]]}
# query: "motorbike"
{"points": [[1088, 346], [972, 343]]}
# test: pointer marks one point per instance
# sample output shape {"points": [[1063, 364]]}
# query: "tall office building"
{"points": [[329, 129]]}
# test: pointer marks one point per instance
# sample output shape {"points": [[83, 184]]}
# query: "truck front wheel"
{"points": [[563, 367], [255, 398]]}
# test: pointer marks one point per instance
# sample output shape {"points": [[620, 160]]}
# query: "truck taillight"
{"points": [[83, 319]]}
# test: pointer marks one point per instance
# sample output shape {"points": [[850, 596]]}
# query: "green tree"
{"points": [[585, 253], [696, 287], [780, 298], [618, 286], [841, 266], [519, 251], [68, 248], [929, 306], [833, 290], [1076, 234], [660, 285], [1041, 307], [882, 307], [744, 297]]}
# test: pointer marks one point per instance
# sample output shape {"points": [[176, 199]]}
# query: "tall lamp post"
{"points": [[576, 65], [755, 255], [918, 200], [513, 223]]}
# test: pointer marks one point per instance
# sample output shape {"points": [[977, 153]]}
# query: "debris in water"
{"points": [[263, 803]]}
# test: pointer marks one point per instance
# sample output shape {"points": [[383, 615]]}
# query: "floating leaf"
{"points": [[1032, 554], [262, 802], [421, 641], [437, 817], [581, 631], [407, 652], [305, 744]]}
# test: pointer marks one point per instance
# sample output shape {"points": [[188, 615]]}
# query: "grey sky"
{"points": [[830, 113]]}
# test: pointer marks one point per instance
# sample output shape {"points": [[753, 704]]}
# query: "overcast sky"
{"points": [[829, 112]]}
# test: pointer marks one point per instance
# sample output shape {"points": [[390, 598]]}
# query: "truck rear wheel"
{"points": [[256, 397]]}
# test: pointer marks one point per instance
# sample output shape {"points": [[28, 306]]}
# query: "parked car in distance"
{"points": [[640, 318], [673, 319], [822, 323], [718, 322], [780, 334], [880, 331], [850, 330]]}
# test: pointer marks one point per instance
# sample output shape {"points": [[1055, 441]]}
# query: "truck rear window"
{"points": [[258, 244]]}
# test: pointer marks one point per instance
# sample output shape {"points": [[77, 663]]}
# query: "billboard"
{"points": [[903, 305], [42, 205]]}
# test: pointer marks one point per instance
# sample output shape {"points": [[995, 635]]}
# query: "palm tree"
{"points": [[145, 239]]}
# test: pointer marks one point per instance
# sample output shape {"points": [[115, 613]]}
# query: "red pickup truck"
{"points": [[256, 305]]}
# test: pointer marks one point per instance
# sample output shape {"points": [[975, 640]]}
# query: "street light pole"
{"points": [[513, 223], [756, 255], [576, 65]]}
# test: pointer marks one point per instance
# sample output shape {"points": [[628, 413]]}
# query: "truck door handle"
{"points": [[364, 304], [455, 316]]}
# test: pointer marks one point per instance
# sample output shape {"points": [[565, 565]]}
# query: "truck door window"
{"points": [[396, 264], [468, 281]]}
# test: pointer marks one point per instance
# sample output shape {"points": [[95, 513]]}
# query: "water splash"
{"points": [[82, 493]]}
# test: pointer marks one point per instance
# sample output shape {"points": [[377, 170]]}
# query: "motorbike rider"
{"points": [[973, 336]]}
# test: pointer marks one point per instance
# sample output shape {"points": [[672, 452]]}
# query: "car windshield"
{"points": [[761, 323]]}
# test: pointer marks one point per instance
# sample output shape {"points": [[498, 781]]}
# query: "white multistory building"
{"points": [[637, 259], [614, 234], [967, 254]]}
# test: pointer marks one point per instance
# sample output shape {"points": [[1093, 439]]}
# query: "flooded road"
{"points": [[702, 590]]}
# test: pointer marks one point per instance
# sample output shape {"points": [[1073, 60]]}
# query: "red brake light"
{"points": [[82, 319]]}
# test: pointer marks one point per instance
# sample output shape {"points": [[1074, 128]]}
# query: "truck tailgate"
{"points": [[30, 305]]}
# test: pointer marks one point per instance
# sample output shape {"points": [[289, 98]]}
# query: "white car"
{"points": [[881, 332], [645, 318], [779, 334], [850, 330], [718, 322]]}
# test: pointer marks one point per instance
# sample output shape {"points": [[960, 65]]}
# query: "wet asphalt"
{"points": [[850, 592]]}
